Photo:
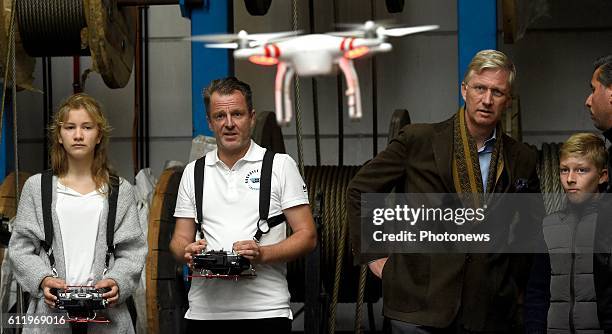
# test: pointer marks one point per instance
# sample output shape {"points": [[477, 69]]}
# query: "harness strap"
{"points": [[46, 185], [265, 184], [265, 190], [111, 218], [198, 176], [47, 197]]}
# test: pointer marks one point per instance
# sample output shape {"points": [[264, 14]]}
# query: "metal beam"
{"points": [[476, 30], [215, 17]]}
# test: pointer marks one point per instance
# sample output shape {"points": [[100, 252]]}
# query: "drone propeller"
{"points": [[399, 32], [371, 29], [222, 46], [241, 39], [368, 25]]}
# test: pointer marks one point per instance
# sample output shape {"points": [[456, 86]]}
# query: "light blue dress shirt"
{"points": [[484, 158]]}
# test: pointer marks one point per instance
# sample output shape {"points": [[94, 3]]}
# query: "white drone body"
{"points": [[311, 55]]}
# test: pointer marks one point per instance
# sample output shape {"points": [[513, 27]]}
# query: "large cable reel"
{"points": [[24, 64], [99, 28]]}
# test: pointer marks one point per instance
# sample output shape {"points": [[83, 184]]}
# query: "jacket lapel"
{"points": [[443, 153], [510, 154]]}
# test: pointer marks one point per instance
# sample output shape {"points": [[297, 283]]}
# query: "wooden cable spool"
{"points": [[23, 62], [166, 295], [82, 27], [8, 208]]}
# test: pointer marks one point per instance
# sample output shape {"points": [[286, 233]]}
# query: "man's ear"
{"points": [[463, 90], [209, 123], [603, 176]]}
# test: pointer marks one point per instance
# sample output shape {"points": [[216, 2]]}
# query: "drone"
{"points": [[311, 55]]}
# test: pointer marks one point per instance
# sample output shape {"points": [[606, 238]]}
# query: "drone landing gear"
{"points": [[353, 93], [282, 94]]}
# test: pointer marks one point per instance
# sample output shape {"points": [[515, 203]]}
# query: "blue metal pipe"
{"points": [[476, 30], [215, 17]]}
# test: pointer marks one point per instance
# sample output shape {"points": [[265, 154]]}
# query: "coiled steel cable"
{"points": [[548, 172], [545, 176], [363, 271], [557, 200], [339, 238], [338, 275], [51, 27]]}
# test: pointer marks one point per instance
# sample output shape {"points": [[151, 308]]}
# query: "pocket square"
{"points": [[521, 185]]}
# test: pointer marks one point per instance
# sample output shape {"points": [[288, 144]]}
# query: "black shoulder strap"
{"points": [[113, 183], [46, 185], [265, 190], [46, 191], [265, 185], [198, 176]]}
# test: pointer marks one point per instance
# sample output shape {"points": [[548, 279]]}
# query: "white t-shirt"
{"points": [[230, 212], [79, 216]]}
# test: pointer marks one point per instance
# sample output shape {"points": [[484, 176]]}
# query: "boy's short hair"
{"points": [[586, 145]]}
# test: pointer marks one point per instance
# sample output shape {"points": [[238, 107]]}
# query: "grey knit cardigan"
{"points": [[31, 263]]}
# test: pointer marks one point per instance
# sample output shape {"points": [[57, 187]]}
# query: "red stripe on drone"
{"points": [[277, 52]]}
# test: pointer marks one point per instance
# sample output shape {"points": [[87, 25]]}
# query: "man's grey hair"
{"points": [[490, 59]]}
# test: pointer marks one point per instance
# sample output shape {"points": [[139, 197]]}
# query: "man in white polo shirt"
{"points": [[230, 209]]}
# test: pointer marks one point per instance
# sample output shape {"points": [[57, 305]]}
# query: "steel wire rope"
{"points": [[548, 172], [556, 199], [337, 255], [51, 28], [545, 178], [331, 182], [297, 97]]}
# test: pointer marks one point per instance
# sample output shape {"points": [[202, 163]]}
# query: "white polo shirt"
{"points": [[230, 212]]}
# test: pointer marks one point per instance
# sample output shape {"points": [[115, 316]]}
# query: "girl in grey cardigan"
{"points": [[79, 136]]}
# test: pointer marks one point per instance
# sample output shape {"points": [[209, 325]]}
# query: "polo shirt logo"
{"points": [[252, 179]]}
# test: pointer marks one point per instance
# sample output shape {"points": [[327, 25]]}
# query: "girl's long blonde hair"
{"points": [[100, 168]]}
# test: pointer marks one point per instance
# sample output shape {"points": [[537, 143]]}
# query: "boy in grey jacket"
{"points": [[568, 268]]}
